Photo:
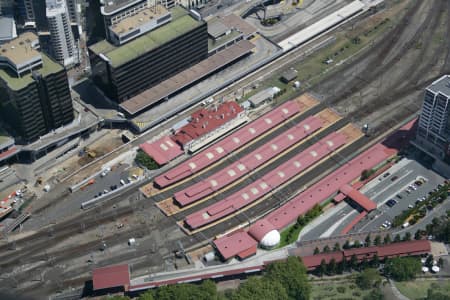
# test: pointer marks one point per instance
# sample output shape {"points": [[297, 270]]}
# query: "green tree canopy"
{"points": [[402, 268], [387, 239], [292, 275], [148, 295], [146, 161], [369, 278], [205, 291], [374, 295], [257, 288]]}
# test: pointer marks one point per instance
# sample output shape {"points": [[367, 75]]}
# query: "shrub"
{"points": [[341, 289], [146, 161]]}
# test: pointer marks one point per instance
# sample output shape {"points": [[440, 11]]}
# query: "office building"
{"points": [[34, 90], [7, 23], [63, 43], [126, 69], [114, 11], [6, 7], [144, 21], [433, 132], [7, 29], [31, 14], [74, 7]]}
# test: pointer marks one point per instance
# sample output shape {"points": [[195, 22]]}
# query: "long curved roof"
{"points": [[260, 228]]}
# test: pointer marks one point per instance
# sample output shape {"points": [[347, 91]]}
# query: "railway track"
{"points": [[33, 247]]}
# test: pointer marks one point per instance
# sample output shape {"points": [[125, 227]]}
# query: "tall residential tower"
{"points": [[433, 133], [63, 43]]}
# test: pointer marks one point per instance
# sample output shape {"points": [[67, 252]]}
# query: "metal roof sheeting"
{"points": [[162, 150], [273, 179], [110, 277], [226, 146], [249, 162]]}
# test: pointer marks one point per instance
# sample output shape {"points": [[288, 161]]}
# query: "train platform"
{"points": [[260, 189], [325, 118], [245, 136]]}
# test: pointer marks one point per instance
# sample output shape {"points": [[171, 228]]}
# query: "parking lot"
{"points": [[381, 189], [401, 183], [107, 182]]}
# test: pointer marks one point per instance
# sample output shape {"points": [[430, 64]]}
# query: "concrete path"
{"points": [[396, 292]]}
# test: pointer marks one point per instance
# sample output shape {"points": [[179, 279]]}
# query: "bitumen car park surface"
{"points": [[380, 190], [407, 172], [104, 183]]}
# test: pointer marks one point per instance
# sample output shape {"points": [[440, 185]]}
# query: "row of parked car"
{"points": [[114, 187]]}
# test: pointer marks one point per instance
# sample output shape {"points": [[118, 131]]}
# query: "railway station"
{"points": [[248, 163], [268, 182], [237, 188], [233, 142]]}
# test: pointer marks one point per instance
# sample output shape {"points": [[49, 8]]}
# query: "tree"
{"points": [[353, 261], [331, 268], [205, 291], [337, 247], [346, 245], [144, 160], [368, 278], [365, 174], [402, 268], [316, 250], [322, 268], [418, 235], [341, 267], [407, 236], [362, 264], [397, 238], [429, 261], [368, 240], [116, 298], [326, 249], [374, 295], [377, 240], [301, 220], [440, 262], [357, 244], [375, 262], [148, 295], [435, 295], [292, 275], [387, 239], [260, 288]]}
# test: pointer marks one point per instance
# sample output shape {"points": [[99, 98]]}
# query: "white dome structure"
{"points": [[270, 239], [435, 269], [425, 269]]}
